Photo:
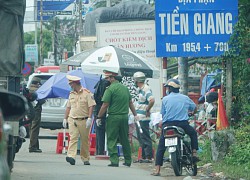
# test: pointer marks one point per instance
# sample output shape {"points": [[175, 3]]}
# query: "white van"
{"points": [[53, 109]]}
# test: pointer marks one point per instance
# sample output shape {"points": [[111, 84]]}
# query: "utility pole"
{"points": [[80, 18], [183, 74], [229, 90], [41, 33], [55, 41], [108, 3], [164, 74], [35, 19]]}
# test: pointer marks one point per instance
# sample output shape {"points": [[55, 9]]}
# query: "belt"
{"points": [[83, 118]]}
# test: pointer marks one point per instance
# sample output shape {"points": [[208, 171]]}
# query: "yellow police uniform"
{"points": [[79, 103]]}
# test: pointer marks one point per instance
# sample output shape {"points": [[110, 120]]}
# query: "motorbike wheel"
{"points": [[176, 162], [11, 151], [191, 167]]}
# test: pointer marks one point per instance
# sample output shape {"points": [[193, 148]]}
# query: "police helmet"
{"points": [[173, 83], [139, 77]]}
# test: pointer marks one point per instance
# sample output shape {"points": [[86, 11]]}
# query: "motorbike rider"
{"points": [[174, 110]]}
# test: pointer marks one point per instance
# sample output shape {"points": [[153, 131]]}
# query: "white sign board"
{"points": [[31, 53], [135, 36], [49, 62]]}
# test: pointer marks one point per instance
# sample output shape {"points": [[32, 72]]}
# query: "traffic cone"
{"points": [[139, 156], [92, 139], [59, 146]]}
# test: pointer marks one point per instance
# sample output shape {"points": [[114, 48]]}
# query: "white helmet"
{"points": [[139, 77]]}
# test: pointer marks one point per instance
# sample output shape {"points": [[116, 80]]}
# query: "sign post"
{"points": [[194, 28], [31, 53], [53, 8]]}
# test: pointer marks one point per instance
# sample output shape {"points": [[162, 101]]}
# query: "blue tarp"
{"points": [[57, 85], [210, 81]]}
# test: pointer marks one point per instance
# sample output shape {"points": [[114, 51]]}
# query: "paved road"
{"points": [[51, 166]]}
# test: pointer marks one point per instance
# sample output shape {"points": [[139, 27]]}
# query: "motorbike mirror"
{"points": [[13, 106]]}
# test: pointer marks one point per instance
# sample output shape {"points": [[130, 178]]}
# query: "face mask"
{"points": [[107, 83], [167, 92], [135, 83]]}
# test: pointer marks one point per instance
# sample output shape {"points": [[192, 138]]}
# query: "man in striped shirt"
{"points": [[143, 106]]}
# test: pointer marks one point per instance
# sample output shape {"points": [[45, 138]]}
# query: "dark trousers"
{"points": [[100, 138], [188, 130], [35, 128], [145, 140]]}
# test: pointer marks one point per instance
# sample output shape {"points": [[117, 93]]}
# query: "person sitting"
{"points": [[174, 110]]}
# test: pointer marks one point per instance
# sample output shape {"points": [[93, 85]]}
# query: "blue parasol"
{"points": [[57, 85]]}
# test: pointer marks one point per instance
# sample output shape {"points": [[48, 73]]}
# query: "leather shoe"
{"points": [[126, 164], [145, 161], [70, 160], [35, 150], [113, 165], [86, 163]]}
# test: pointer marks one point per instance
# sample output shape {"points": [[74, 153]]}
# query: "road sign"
{"points": [[31, 53], [27, 69], [55, 7], [195, 28]]}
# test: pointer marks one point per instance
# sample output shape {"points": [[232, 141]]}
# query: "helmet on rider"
{"points": [[139, 77], [173, 86]]}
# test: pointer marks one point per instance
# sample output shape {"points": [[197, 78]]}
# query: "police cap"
{"points": [[73, 78], [108, 73]]}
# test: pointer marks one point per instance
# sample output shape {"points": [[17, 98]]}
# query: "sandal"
{"points": [[155, 174]]}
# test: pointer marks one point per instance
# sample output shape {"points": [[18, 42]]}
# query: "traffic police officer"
{"points": [[117, 101], [78, 115]]}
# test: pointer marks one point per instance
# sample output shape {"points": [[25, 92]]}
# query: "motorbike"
{"points": [[25, 121], [180, 151], [22, 132]]}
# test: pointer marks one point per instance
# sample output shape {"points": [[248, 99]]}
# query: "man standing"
{"points": [[35, 123], [174, 110], [143, 106], [100, 88], [78, 115], [117, 100]]}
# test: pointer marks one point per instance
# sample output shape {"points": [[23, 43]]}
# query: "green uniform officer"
{"points": [[117, 101]]}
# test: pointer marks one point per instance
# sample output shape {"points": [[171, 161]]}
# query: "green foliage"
{"points": [[239, 153], [65, 36], [231, 171], [236, 164], [239, 53], [29, 38], [205, 153]]}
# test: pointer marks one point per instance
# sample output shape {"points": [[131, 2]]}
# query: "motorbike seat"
{"points": [[178, 129]]}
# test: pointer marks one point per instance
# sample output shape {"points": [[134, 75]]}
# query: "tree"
{"points": [[65, 36], [240, 53]]}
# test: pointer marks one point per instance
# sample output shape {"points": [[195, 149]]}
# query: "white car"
{"points": [[53, 109]]}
